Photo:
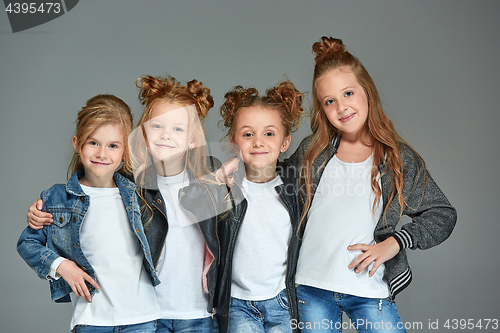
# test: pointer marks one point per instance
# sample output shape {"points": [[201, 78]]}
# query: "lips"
{"points": [[100, 163], [259, 153], [347, 117], [164, 146]]}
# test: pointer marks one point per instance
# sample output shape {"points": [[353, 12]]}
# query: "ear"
{"points": [[75, 144], [193, 143], [286, 143]]}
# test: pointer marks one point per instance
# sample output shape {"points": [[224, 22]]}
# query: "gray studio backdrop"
{"points": [[435, 64]]}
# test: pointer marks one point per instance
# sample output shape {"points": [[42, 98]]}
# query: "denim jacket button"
{"points": [[84, 268], [74, 218], [82, 199], [61, 219], [74, 245], [159, 201]]}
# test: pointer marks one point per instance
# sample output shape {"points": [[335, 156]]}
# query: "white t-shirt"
{"points": [[126, 295], [341, 215], [260, 253], [180, 266]]}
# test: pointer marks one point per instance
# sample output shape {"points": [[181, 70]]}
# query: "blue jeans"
{"points": [[269, 316], [147, 327], [321, 311], [199, 325]]}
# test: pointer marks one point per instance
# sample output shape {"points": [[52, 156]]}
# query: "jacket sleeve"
{"points": [[432, 216], [31, 246]]}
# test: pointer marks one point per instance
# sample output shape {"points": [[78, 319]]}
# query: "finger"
{"points": [[34, 226], [75, 290], [42, 216], [376, 265], [365, 263], [357, 261], [362, 247], [91, 281], [39, 204], [235, 163], [86, 293]]}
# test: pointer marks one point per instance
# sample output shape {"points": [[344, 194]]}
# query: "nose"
{"points": [[257, 141], [101, 152], [342, 107], [165, 135]]}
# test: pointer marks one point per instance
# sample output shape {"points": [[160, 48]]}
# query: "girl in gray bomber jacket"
{"points": [[356, 178]]}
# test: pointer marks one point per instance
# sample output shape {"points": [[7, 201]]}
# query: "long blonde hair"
{"points": [[330, 54], [156, 90], [100, 110]]}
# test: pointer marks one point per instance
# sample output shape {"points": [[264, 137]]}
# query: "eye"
{"points": [[330, 101], [269, 134], [113, 146], [348, 93], [157, 126], [247, 135], [93, 143], [178, 129]]}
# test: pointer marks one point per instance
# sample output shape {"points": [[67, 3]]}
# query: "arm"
{"points": [[433, 217], [32, 248], [36, 218]]}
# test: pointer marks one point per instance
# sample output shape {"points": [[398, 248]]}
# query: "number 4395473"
{"points": [[471, 324], [32, 8]]}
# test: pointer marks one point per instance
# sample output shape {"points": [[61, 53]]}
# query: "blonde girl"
{"points": [[357, 178], [169, 161], [255, 234], [111, 278]]}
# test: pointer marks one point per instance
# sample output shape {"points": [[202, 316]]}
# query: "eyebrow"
{"points": [[94, 139], [250, 127], [347, 88]]}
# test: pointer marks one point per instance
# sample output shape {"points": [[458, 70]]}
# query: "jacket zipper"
{"points": [[164, 239]]}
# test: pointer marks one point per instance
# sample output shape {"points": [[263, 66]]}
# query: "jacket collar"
{"points": [[73, 184]]}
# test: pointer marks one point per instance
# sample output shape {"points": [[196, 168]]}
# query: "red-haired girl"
{"points": [[357, 178]]}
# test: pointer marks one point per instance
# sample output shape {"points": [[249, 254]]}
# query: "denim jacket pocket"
{"points": [[61, 227]]}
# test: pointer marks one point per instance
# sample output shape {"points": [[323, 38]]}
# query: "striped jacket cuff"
{"points": [[404, 239]]}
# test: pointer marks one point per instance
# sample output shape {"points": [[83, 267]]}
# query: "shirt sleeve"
{"points": [[53, 268]]}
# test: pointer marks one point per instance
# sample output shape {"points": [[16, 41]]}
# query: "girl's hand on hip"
{"points": [[36, 218], [76, 278], [377, 254]]}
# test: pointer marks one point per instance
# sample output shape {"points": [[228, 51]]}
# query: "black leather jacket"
{"points": [[229, 225], [196, 198]]}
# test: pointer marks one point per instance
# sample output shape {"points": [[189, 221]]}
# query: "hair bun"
{"points": [[201, 95], [150, 86], [327, 46], [290, 99]]}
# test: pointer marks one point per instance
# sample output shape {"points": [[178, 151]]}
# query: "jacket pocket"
{"points": [[61, 227]]}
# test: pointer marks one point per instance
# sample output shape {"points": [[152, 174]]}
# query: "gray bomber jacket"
{"points": [[432, 216]]}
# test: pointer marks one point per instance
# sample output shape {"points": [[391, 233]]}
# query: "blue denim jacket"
{"points": [[68, 205]]}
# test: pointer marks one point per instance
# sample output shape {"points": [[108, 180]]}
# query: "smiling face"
{"points": [[344, 102], [167, 134], [101, 154], [260, 136]]}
